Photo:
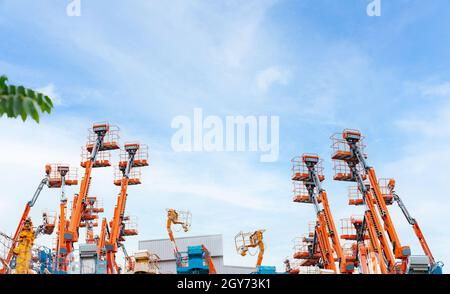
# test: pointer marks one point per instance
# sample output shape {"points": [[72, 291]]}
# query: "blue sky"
{"points": [[319, 65]]}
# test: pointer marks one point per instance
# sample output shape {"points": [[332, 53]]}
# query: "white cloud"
{"points": [[440, 90], [422, 175], [270, 76], [434, 123]]}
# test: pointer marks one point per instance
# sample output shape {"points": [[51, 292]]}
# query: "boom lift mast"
{"points": [[308, 170], [132, 158], [348, 149], [61, 265], [102, 138]]}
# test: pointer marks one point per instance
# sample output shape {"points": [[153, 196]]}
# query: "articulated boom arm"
{"points": [[257, 238], [412, 221], [24, 217], [209, 261], [174, 217], [245, 241]]}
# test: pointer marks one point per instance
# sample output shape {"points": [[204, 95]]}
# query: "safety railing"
{"points": [[300, 193], [349, 225], [341, 149], [349, 250], [342, 171], [348, 230], [311, 228], [130, 226], [181, 217], [387, 187], [133, 179], [54, 177], [309, 270], [300, 170], [102, 159], [48, 221], [140, 159], [355, 196], [110, 140]]}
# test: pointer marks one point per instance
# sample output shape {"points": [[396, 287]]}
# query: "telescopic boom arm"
{"points": [[413, 222]]}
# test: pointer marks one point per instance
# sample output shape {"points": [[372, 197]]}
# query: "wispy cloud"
{"points": [[271, 76], [144, 62]]}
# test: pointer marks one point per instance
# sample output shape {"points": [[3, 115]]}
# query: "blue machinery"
{"points": [[265, 270], [196, 260]]}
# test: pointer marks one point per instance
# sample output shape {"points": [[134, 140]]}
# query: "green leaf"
{"points": [[17, 105], [3, 80], [10, 106], [31, 109], [23, 114], [49, 101], [18, 100], [12, 90], [30, 93], [21, 91]]}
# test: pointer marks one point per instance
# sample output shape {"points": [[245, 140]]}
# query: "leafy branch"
{"points": [[20, 101]]}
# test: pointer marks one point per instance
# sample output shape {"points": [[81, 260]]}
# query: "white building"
{"points": [[163, 248]]}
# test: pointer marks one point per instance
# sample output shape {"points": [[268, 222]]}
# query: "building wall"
{"points": [[167, 265]]}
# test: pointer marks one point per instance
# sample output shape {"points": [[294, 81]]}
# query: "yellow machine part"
{"points": [[23, 249]]}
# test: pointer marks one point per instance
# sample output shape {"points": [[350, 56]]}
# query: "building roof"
{"points": [[163, 247]]}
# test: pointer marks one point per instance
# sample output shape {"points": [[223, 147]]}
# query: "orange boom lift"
{"points": [[132, 158], [244, 241], [102, 138], [176, 217], [52, 179], [308, 170], [351, 165], [435, 267]]}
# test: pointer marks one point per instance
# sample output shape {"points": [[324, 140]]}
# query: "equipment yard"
{"points": [[365, 244]]}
